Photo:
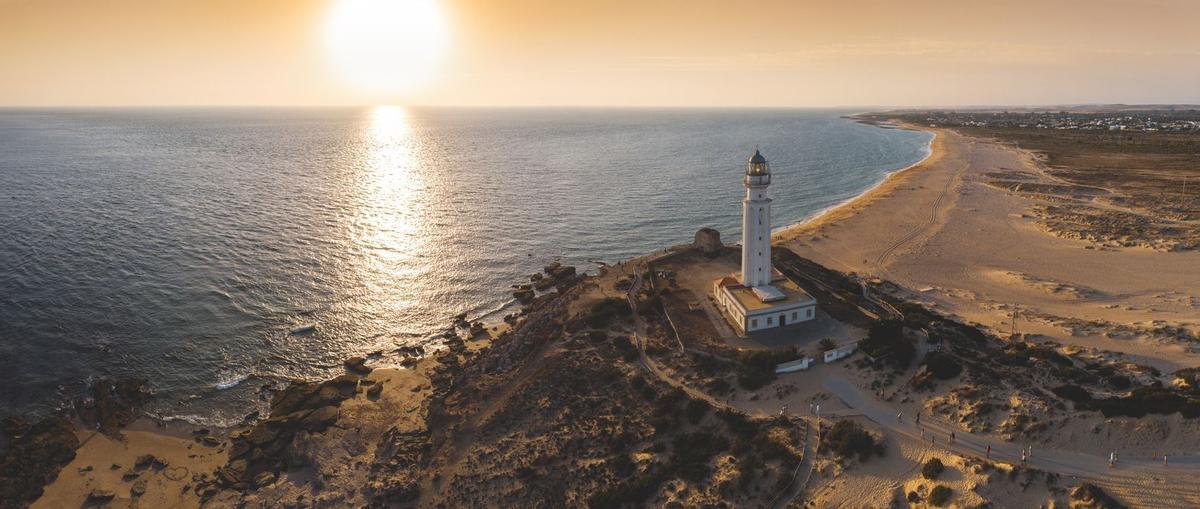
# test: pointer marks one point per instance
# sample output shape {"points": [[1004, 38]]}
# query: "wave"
{"points": [[232, 382]]}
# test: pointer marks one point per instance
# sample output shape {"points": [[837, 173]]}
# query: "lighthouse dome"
{"points": [[757, 164]]}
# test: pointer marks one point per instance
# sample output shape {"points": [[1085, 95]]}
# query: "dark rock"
{"points": [[264, 479], [34, 456], [708, 241], [115, 466], [321, 418], [1091, 496], [523, 296], [357, 365], [144, 461], [138, 489], [85, 469], [113, 404], [99, 497], [210, 441], [375, 391]]}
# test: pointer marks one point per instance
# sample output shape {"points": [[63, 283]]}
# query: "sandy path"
{"points": [[939, 226], [1136, 479]]}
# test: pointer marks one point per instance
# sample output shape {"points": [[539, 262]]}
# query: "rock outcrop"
{"points": [[267, 447], [113, 404], [34, 456]]}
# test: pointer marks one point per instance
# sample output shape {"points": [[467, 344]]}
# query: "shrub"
{"points": [[932, 469], [847, 438], [939, 495], [604, 312], [696, 410], [826, 345], [650, 307], [942, 366], [758, 366], [1073, 393], [886, 340], [738, 423], [628, 351], [691, 453]]}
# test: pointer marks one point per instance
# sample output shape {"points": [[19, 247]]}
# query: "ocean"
{"points": [[182, 245]]}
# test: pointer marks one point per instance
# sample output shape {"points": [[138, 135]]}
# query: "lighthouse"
{"points": [[761, 298], [756, 223]]}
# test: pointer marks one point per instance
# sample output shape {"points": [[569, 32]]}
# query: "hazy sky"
{"points": [[615, 52]]}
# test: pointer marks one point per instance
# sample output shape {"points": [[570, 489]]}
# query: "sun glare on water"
{"points": [[386, 45]]}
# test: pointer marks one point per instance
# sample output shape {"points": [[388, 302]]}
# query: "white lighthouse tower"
{"points": [[763, 298], [756, 224]]}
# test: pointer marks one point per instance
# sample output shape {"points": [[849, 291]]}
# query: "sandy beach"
{"points": [[972, 250]]}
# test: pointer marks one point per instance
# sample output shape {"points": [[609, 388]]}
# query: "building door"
{"points": [[783, 319]]}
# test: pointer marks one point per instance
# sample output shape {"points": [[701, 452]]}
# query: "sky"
{"points": [[708, 53]]}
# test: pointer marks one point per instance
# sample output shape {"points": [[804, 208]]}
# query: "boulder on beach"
{"points": [[357, 365]]}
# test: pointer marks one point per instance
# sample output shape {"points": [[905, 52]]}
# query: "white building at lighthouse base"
{"points": [[779, 304]]}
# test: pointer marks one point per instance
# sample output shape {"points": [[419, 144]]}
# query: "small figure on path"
{"points": [[918, 417], [952, 437], [1022, 455], [900, 417], [1112, 459], [1030, 450], [1165, 460], [989, 452]]}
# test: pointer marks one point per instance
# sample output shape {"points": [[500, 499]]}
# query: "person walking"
{"points": [[989, 452], [1165, 460], [952, 437]]}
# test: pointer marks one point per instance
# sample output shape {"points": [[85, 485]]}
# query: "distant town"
{"points": [[1148, 120]]}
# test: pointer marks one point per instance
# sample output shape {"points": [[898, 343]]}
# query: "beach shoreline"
{"points": [[824, 215]]}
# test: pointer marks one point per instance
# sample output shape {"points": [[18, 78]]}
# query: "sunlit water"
{"points": [[182, 245]]}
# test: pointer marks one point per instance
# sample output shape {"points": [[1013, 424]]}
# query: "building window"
{"points": [[770, 320], [810, 312], [754, 322], [793, 315]]}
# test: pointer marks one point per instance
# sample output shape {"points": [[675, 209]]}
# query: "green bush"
{"points": [[1073, 393], [847, 438], [932, 468], [942, 366], [628, 351], [605, 311], [939, 495], [696, 410], [885, 339]]}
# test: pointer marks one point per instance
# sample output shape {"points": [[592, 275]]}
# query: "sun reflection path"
{"points": [[388, 219]]}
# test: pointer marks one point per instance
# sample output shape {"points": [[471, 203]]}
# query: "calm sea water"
{"points": [[181, 245]]}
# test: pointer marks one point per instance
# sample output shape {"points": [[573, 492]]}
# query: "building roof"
{"points": [[752, 303]]}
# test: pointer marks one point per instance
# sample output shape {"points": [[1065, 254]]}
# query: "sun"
{"points": [[386, 45]]}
